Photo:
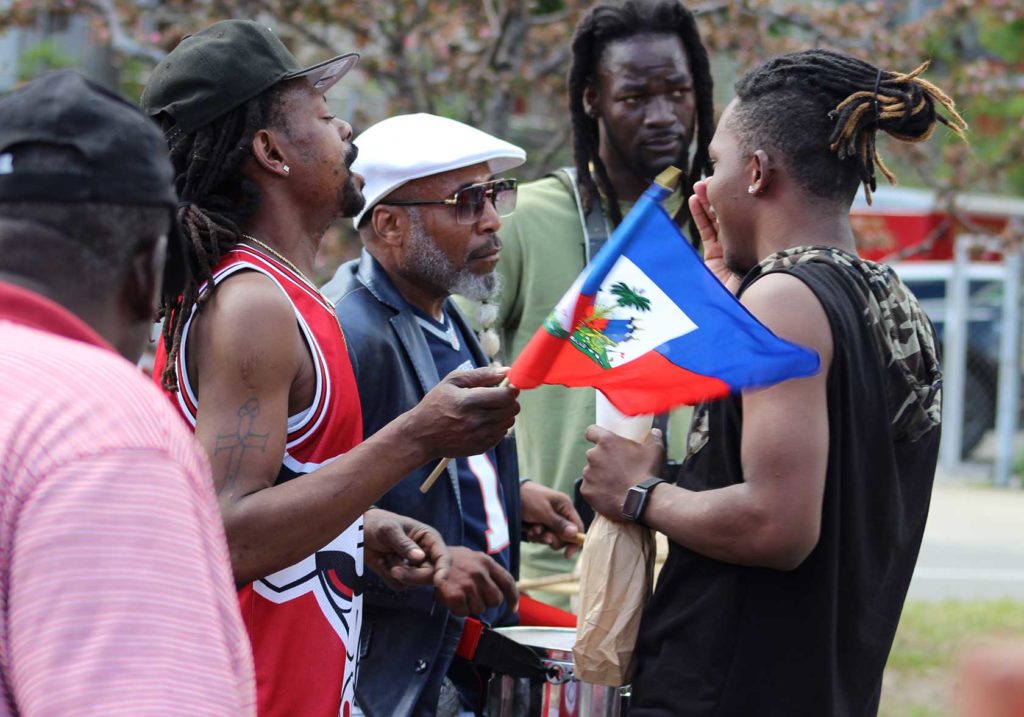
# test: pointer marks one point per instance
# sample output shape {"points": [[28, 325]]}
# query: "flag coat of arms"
{"points": [[648, 325]]}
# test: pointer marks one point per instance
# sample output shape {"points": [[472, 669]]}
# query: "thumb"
{"points": [[595, 433], [557, 523], [572, 523], [485, 377], [395, 539], [655, 444]]}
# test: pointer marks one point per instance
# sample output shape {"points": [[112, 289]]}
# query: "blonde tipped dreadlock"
{"points": [[863, 112], [841, 103]]}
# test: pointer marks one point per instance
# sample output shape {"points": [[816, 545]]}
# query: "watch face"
{"points": [[634, 500]]}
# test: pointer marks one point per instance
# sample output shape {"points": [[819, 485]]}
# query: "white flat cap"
{"points": [[400, 149]]}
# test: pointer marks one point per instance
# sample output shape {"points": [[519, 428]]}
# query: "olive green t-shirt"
{"points": [[542, 254]]}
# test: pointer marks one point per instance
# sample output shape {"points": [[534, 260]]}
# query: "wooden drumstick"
{"points": [[443, 463], [578, 539], [434, 475], [547, 580]]}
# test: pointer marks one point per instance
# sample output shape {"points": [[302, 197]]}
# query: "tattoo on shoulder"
{"points": [[236, 444]]}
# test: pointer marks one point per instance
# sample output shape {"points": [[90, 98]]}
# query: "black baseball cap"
{"points": [[124, 156], [224, 66], [124, 159]]}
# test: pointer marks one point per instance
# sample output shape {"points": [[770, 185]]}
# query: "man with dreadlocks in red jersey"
{"points": [[256, 362], [799, 512]]}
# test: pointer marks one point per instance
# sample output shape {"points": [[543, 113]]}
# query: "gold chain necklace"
{"points": [[291, 266]]}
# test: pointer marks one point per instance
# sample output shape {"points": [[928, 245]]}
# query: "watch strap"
{"points": [[644, 488], [650, 482]]}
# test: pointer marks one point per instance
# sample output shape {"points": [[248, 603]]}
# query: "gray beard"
{"points": [[426, 261]]}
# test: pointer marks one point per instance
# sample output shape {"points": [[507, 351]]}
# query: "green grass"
{"points": [[920, 675]]}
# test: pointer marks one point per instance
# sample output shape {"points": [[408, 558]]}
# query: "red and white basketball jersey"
{"points": [[304, 620]]}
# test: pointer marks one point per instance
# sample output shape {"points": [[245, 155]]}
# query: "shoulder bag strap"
{"points": [[594, 222]]}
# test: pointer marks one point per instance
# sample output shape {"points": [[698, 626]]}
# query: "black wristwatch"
{"points": [[636, 499]]}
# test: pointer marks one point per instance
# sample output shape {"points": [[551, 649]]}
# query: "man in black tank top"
{"points": [[798, 517]]}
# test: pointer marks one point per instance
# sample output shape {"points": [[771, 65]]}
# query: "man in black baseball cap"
{"points": [[98, 472], [116, 156], [255, 360], [224, 66]]}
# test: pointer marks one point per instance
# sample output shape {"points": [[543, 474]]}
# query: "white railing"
{"points": [[957, 275]]}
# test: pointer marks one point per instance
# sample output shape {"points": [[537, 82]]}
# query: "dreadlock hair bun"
{"points": [[822, 110], [216, 197], [602, 25]]}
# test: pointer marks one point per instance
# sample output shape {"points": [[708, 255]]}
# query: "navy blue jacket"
{"points": [[408, 639]]}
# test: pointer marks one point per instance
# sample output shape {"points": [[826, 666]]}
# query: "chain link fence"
{"points": [[976, 309]]}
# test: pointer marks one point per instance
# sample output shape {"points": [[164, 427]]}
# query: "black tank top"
{"points": [[722, 639]]}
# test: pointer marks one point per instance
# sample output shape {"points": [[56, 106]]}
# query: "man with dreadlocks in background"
{"points": [[639, 94], [797, 519], [256, 362]]}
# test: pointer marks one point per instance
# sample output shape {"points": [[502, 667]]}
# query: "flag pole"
{"points": [[669, 178]]}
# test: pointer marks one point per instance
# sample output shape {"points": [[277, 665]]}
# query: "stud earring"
{"points": [[286, 168], [751, 190]]}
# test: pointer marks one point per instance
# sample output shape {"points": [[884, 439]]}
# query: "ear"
{"points": [[590, 100], [761, 172], [144, 281], [269, 153], [390, 224]]}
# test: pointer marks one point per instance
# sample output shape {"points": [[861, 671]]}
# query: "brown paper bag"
{"points": [[616, 576]]}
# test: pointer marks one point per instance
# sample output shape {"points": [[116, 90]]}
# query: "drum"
{"points": [[561, 694]]}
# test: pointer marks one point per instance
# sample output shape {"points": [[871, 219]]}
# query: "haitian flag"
{"points": [[651, 327]]}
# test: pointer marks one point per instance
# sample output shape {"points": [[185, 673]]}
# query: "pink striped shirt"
{"points": [[116, 596]]}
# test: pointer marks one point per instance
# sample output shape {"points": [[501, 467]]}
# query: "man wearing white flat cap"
{"points": [[434, 202]]}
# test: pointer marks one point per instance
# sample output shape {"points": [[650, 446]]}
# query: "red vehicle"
{"points": [[904, 224], [914, 230]]}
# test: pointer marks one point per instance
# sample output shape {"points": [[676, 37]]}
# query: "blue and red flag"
{"points": [[649, 325]]}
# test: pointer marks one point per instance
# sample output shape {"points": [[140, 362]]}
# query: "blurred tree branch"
{"points": [[501, 64], [120, 42]]}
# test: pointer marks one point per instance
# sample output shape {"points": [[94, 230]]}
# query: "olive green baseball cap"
{"points": [[224, 66]]}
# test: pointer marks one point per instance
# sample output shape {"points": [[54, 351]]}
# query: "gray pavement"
{"points": [[973, 544]]}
